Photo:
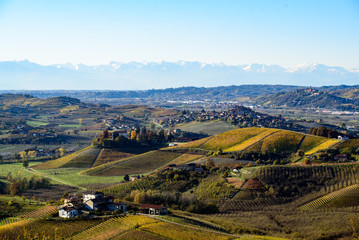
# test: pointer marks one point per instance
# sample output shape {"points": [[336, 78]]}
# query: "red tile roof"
{"points": [[151, 206]]}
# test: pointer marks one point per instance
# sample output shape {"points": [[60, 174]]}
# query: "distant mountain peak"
{"points": [[306, 67], [148, 75]]}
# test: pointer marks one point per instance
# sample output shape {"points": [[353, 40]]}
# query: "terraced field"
{"points": [[311, 142], [139, 164], [262, 140], [325, 145], [46, 229], [196, 144], [231, 138], [143, 227], [82, 159], [248, 143], [113, 227], [345, 197], [351, 143], [283, 141], [31, 215]]}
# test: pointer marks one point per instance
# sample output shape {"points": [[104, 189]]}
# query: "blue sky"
{"points": [[228, 31]]}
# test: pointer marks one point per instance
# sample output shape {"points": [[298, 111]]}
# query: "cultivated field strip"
{"points": [[138, 164], [35, 214], [113, 227], [256, 139], [248, 143], [231, 138], [60, 161], [325, 145], [322, 201], [110, 155]]}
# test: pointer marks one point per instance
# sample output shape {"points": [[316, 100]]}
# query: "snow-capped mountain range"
{"points": [[151, 75]]}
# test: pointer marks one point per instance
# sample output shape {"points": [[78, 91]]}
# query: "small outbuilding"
{"points": [[153, 209]]}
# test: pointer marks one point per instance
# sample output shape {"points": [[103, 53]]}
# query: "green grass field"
{"points": [[36, 123], [16, 169], [19, 205], [70, 125], [73, 177]]}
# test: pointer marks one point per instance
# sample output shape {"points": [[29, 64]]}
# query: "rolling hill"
{"points": [[262, 140], [308, 98], [27, 104]]}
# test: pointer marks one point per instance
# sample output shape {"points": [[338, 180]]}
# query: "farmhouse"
{"points": [[188, 167], [91, 195], [92, 200], [68, 212], [133, 178], [343, 137], [117, 206], [153, 209], [73, 201]]}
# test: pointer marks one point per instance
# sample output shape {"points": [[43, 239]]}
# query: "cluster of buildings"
{"points": [[92, 200], [239, 115], [186, 167]]}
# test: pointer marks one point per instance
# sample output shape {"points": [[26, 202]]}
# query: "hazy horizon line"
{"points": [[145, 62]]}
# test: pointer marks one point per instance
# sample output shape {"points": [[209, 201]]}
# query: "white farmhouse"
{"points": [[91, 195], [68, 212]]}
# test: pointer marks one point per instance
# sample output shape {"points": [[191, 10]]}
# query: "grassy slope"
{"points": [[74, 177], [82, 158], [215, 188], [185, 158], [110, 155]]}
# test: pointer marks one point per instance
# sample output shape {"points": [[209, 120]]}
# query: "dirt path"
{"points": [[234, 194], [93, 162], [300, 143]]}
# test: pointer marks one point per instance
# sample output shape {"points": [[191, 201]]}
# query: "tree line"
{"points": [[139, 136]]}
